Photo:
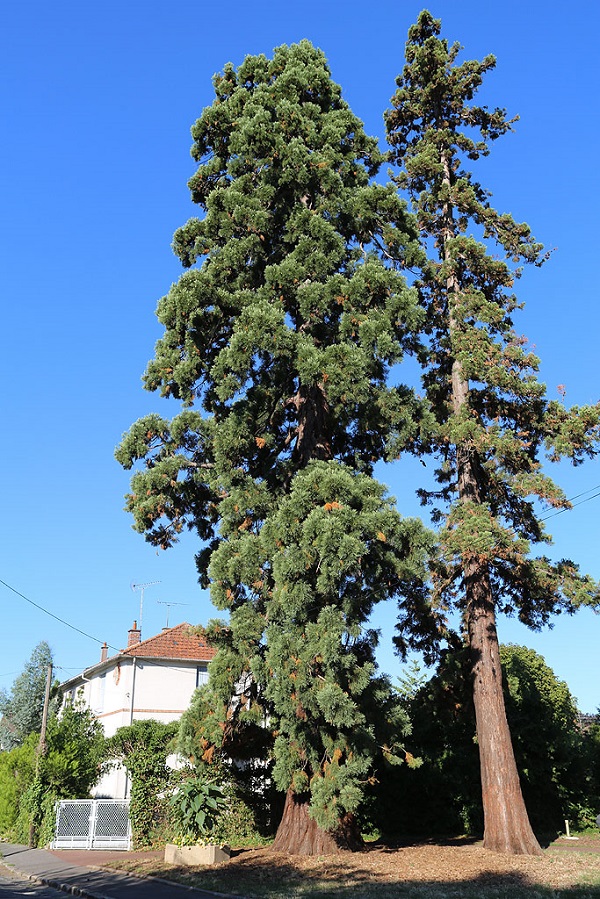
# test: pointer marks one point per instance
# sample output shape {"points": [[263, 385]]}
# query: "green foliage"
{"points": [[444, 795], [143, 747], [68, 768], [17, 767], [74, 753], [548, 742], [22, 708], [591, 742], [494, 422], [237, 824], [410, 681], [197, 805], [36, 809], [282, 334]]}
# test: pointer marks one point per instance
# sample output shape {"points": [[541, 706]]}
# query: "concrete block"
{"points": [[196, 855]]}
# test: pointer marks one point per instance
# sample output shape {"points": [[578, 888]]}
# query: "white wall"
{"points": [[124, 692]]}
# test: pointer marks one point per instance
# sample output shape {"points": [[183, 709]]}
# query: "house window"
{"points": [[100, 687], [201, 675]]}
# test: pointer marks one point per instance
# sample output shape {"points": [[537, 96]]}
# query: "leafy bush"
{"points": [[197, 805], [16, 773], [74, 753], [237, 824], [68, 769]]}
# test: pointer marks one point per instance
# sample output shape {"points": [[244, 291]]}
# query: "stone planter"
{"points": [[196, 855]]}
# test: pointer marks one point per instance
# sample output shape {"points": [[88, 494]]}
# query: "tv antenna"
{"points": [[169, 605], [141, 588]]}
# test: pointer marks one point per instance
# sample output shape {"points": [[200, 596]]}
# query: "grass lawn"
{"points": [[432, 870]]}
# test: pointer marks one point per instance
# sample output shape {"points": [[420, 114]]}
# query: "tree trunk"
{"points": [[506, 822], [314, 427], [299, 834]]}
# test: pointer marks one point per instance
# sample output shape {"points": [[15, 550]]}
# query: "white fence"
{"points": [[92, 824]]}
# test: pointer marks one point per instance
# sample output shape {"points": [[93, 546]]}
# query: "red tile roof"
{"points": [[173, 643]]}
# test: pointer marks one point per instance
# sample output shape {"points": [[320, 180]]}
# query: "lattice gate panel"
{"points": [[111, 825], [92, 824]]}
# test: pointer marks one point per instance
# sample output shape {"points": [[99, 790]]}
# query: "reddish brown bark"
{"points": [[506, 822], [299, 834], [314, 427]]}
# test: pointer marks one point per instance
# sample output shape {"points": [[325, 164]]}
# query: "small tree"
{"points": [[75, 746], [493, 420], [22, 708]]}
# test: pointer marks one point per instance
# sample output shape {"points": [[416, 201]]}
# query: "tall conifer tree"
{"points": [[493, 420], [282, 335], [22, 708]]}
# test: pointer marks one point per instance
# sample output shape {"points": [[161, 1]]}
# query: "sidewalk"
{"points": [[61, 870]]}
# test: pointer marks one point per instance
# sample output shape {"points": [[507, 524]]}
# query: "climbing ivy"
{"points": [[143, 748]]}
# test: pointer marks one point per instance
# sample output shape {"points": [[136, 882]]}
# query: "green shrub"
{"points": [[197, 805], [16, 773]]}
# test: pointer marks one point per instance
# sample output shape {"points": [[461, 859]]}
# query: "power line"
{"points": [[147, 661], [583, 493], [574, 505], [56, 617]]}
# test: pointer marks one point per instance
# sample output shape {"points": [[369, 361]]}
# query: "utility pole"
{"points": [[41, 750]]}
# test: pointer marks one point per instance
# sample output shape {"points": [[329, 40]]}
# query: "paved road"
{"points": [[62, 870], [13, 887]]}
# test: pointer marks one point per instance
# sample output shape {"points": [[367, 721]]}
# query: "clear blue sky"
{"points": [[97, 102]]}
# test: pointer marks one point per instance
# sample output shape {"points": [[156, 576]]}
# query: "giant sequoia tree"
{"points": [[493, 418], [279, 341]]}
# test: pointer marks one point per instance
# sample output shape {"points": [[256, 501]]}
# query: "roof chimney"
{"points": [[133, 636], [104, 652]]}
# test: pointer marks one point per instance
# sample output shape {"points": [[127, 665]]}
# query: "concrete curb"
{"points": [[71, 889], [74, 890]]}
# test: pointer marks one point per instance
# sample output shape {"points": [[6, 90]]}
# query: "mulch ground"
{"points": [[562, 865]]}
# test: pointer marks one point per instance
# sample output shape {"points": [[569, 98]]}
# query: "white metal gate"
{"points": [[92, 824]]}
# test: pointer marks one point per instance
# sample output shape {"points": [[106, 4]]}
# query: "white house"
{"points": [[152, 678]]}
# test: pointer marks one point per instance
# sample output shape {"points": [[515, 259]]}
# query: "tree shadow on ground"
{"points": [[334, 877]]}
